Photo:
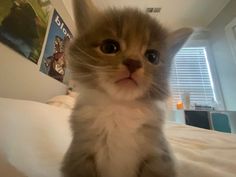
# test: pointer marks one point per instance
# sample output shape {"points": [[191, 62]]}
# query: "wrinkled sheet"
{"points": [[201, 152]]}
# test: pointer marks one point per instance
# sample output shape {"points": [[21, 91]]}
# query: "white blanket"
{"points": [[202, 153], [34, 137]]}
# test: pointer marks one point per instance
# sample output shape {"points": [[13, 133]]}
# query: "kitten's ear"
{"points": [[177, 39], [85, 14]]}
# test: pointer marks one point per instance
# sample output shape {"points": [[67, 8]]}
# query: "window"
{"points": [[191, 73]]}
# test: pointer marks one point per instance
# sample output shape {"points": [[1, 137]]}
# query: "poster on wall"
{"points": [[23, 25], [53, 62]]}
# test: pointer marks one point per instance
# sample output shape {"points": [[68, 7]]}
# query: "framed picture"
{"points": [[230, 31]]}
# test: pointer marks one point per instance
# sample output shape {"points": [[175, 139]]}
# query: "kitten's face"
{"points": [[123, 53]]}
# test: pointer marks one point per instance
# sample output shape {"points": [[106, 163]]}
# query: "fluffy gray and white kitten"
{"points": [[121, 60]]}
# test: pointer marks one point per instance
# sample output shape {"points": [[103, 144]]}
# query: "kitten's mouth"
{"points": [[127, 81]]}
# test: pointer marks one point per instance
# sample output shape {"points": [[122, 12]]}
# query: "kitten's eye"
{"points": [[152, 56], [110, 46]]}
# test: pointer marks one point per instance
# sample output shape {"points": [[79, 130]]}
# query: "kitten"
{"points": [[121, 60]]}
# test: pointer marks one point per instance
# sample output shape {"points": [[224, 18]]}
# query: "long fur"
{"points": [[117, 129]]}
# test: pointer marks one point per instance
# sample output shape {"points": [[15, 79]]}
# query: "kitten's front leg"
{"points": [[79, 164], [157, 166]]}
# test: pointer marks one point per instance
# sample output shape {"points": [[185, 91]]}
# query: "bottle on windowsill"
{"points": [[179, 114]]}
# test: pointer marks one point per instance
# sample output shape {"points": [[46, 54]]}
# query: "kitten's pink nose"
{"points": [[132, 64]]}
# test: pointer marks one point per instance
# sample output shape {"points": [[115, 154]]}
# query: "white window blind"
{"points": [[191, 73]]}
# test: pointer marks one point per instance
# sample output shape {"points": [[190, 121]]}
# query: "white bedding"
{"points": [[64, 101], [34, 136], [202, 153]]}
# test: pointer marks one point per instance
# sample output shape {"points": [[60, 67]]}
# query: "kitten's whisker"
{"points": [[149, 95], [106, 68], [80, 75], [86, 53], [91, 66], [84, 76], [157, 88]]}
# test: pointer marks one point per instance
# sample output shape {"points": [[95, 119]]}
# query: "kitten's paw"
{"points": [[162, 166], [79, 167]]}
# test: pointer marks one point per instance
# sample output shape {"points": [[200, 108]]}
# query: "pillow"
{"points": [[64, 101], [34, 136]]}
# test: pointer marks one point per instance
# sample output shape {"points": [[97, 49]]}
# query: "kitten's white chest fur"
{"points": [[120, 145], [121, 151]]}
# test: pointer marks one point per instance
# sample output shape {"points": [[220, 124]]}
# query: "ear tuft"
{"points": [[177, 39], [85, 14]]}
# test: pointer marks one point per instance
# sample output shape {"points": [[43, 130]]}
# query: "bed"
{"points": [[34, 136]]}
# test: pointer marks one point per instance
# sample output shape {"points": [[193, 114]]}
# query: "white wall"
{"points": [[21, 79], [224, 60]]}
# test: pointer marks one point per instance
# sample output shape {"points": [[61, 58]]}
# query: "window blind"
{"points": [[191, 73]]}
